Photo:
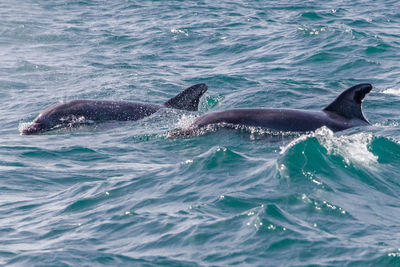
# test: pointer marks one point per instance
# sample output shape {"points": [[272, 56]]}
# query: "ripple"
{"points": [[125, 194]]}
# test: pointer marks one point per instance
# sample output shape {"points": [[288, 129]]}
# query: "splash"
{"points": [[392, 91], [23, 125], [185, 121], [353, 148]]}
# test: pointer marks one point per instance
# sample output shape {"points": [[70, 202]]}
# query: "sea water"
{"points": [[124, 194]]}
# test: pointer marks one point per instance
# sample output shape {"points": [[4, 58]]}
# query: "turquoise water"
{"points": [[120, 194]]}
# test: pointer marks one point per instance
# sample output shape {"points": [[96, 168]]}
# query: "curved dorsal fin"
{"points": [[348, 103], [188, 99]]}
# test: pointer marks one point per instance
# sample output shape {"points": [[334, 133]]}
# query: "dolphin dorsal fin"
{"points": [[348, 103], [188, 99]]}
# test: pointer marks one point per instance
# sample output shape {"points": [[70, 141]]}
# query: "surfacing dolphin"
{"points": [[80, 111], [343, 113]]}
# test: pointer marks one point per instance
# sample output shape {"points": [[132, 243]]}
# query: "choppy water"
{"points": [[123, 193]]}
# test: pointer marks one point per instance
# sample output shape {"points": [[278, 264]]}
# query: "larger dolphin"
{"points": [[343, 113], [80, 111]]}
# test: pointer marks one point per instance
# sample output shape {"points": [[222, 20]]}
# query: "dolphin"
{"points": [[343, 113], [82, 111]]}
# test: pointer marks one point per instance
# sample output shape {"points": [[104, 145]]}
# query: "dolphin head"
{"points": [[44, 122], [34, 128]]}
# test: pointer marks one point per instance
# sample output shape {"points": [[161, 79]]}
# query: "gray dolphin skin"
{"points": [[343, 113], [80, 111]]}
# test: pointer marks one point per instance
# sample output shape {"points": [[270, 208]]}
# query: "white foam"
{"points": [[353, 148], [23, 125], [392, 91], [179, 31], [185, 121]]}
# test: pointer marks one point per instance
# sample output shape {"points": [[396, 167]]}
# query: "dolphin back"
{"points": [[348, 103], [188, 99]]}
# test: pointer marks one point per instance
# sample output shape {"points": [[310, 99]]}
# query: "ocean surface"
{"points": [[124, 194]]}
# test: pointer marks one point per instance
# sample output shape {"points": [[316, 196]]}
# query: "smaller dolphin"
{"points": [[81, 111], [343, 113]]}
